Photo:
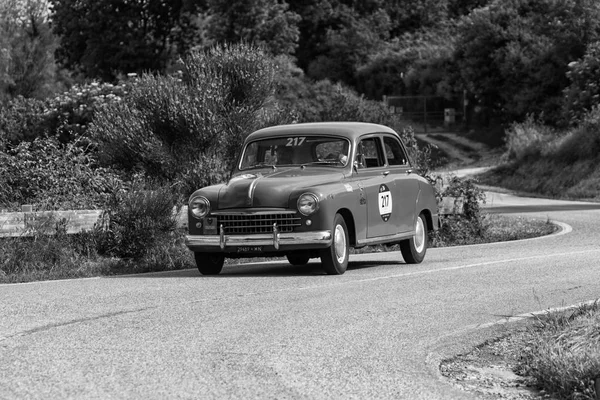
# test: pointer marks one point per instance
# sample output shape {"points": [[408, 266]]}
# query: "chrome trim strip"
{"points": [[251, 188], [222, 237], [276, 236], [214, 241], [258, 212], [384, 239]]}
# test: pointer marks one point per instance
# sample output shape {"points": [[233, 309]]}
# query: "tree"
{"points": [[102, 39], [27, 66], [414, 64], [584, 91], [513, 55], [268, 23], [348, 44], [409, 16]]}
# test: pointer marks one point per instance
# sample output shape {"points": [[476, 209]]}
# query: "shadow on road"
{"points": [[267, 269]]}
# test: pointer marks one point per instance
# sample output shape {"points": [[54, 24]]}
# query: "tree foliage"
{"points": [[269, 23], [416, 64], [348, 45], [27, 47], [513, 55], [103, 39], [583, 93]]}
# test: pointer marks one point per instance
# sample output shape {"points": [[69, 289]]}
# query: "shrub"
{"points": [[583, 142], [139, 219], [527, 139], [170, 123], [50, 175], [43, 256], [465, 228], [66, 116], [23, 119]]}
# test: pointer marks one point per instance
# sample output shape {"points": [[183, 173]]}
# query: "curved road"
{"points": [[272, 331]]}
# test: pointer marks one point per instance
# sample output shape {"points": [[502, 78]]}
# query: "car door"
{"points": [[378, 186], [405, 184]]}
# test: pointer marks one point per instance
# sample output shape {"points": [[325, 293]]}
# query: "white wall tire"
{"points": [[335, 258], [414, 249]]}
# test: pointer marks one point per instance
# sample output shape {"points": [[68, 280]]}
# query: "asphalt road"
{"points": [[273, 331]]}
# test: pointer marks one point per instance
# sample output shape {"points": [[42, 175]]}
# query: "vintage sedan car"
{"points": [[314, 190]]}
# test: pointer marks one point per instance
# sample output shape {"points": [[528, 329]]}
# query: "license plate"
{"points": [[250, 249]]}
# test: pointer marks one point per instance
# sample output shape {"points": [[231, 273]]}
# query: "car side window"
{"points": [[369, 153], [394, 152]]}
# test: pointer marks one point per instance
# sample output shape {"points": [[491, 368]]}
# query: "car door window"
{"points": [[394, 152], [369, 154]]}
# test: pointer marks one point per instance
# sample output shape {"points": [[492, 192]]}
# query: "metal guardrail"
{"points": [[27, 222]]}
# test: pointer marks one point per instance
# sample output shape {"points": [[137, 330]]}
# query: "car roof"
{"points": [[350, 130]]}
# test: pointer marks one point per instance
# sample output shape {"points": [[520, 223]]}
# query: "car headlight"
{"points": [[308, 203], [199, 206]]}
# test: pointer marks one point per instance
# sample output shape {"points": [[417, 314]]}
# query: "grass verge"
{"points": [[546, 177], [562, 352], [557, 354]]}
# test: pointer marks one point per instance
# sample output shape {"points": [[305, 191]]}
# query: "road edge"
{"points": [[470, 337]]}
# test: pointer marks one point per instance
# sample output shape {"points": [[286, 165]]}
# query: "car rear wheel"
{"points": [[209, 263], [414, 249], [298, 258], [335, 258]]}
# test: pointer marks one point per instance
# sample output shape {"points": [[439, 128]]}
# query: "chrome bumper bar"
{"points": [[274, 239]]}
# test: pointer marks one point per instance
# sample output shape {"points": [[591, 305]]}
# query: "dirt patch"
{"points": [[488, 370]]}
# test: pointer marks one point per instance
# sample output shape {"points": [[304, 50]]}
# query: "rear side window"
{"points": [[394, 152]]}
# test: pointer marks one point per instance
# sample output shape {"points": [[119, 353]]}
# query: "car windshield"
{"points": [[296, 151]]}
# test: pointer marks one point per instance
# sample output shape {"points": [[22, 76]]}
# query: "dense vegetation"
{"points": [[94, 111], [127, 106]]}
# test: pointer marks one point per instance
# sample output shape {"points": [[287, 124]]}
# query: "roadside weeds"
{"points": [[553, 355]]}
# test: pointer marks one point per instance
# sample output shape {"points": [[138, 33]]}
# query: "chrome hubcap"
{"points": [[420, 236], [340, 244]]}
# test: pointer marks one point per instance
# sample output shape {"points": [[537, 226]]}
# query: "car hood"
{"points": [[271, 188]]}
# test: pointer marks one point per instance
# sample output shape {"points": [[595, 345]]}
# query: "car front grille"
{"points": [[238, 223]]}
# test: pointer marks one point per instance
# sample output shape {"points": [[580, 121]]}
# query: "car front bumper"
{"points": [[270, 242]]}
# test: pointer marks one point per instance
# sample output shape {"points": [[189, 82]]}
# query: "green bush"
{"points": [[465, 228], [583, 142], [584, 91], [527, 139], [170, 124], [41, 256], [140, 218], [23, 119], [53, 176], [66, 116]]}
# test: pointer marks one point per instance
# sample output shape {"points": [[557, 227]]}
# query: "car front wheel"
{"points": [[209, 263], [414, 249], [298, 258], [335, 258]]}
